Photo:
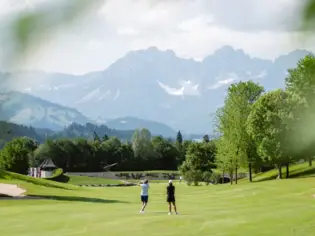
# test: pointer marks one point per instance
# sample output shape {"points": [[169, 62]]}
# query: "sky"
{"points": [[191, 28]]}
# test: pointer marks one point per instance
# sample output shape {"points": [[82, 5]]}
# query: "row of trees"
{"points": [[274, 128], [143, 152]]}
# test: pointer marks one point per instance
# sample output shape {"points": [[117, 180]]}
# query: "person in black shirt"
{"points": [[171, 197]]}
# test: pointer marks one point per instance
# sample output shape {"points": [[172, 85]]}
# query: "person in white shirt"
{"points": [[144, 194]]}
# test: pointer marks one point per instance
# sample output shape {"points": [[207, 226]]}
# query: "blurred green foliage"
{"points": [[308, 15], [30, 28]]}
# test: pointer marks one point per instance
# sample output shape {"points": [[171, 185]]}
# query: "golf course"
{"points": [[263, 207]]}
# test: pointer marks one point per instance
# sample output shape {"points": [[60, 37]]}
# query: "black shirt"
{"points": [[170, 190]]}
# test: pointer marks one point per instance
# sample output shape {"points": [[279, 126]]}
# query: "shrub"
{"points": [[215, 178], [207, 177], [193, 176], [58, 176]]}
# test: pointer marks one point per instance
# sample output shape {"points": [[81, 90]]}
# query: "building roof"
{"points": [[47, 163]]}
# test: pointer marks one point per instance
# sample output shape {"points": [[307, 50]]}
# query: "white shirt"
{"points": [[144, 189]]}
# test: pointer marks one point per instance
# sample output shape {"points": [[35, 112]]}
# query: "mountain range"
{"points": [[22, 108], [153, 85]]}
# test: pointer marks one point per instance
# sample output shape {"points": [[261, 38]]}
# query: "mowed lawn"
{"points": [[278, 207]]}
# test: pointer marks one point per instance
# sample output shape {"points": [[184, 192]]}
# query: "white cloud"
{"points": [[195, 29]]}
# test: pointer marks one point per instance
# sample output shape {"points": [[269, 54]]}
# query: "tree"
{"points": [[96, 137], [301, 81], [180, 147], [224, 158], [141, 144], [165, 153], [199, 159], [231, 122], [105, 137], [271, 124], [206, 138], [179, 140], [15, 155]]}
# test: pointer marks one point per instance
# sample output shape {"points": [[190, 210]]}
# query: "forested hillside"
{"points": [[9, 131]]}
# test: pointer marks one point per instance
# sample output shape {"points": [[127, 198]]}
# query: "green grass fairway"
{"points": [[280, 207]]}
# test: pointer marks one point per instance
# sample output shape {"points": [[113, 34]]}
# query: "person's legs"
{"points": [[144, 202], [174, 205], [169, 207], [144, 205]]}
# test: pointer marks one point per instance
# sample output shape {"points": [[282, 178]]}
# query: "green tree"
{"points": [[165, 153], [180, 145], [224, 158], [271, 124], [96, 137], [15, 155], [179, 140], [105, 138], [206, 138], [142, 145], [199, 159], [232, 122]]}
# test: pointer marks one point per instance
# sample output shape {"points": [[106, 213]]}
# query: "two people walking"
{"points": [[170, 196]]}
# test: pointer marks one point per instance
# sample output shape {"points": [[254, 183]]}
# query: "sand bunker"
{"points": [[11, 190]]}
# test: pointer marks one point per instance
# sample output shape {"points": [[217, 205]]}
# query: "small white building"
{"points": [[47, 168]]}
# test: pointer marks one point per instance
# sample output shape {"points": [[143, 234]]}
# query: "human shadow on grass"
{"points": [[77, 199]]}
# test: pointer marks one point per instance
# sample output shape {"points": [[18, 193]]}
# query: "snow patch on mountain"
{"points": [[261, 75], [116, 95], [94, 94], [187, 88], [221, 83]]}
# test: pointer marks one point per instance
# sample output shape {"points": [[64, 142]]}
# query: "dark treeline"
{"points": [[8, 131], [141, 152]]}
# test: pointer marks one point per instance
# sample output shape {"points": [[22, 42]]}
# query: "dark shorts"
{"points": [[144, 198], [170, 198]]}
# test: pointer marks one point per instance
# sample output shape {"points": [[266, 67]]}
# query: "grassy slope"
{"points": [[32, 183], [296, 171], [265, 208]]}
